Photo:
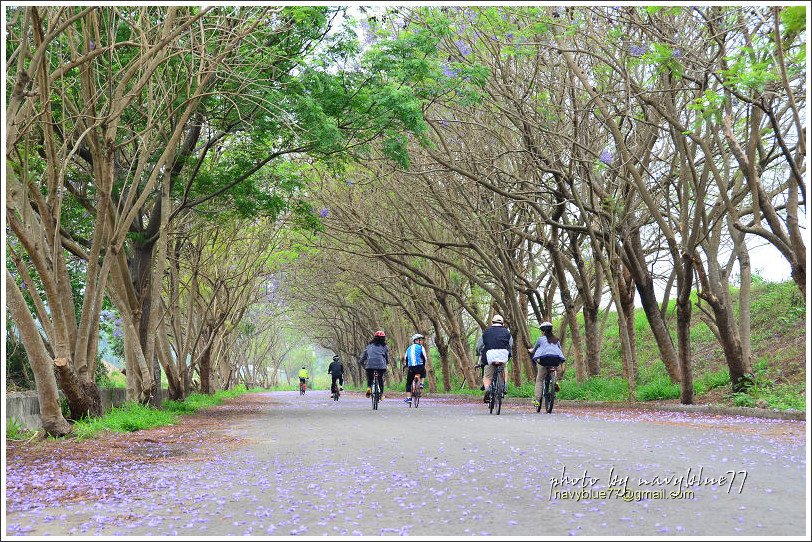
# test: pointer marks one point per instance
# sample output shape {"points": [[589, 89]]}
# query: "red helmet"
{"points": [[380, 334]]}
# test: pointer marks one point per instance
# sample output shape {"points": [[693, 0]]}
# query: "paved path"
{"points": [[310, 466]]}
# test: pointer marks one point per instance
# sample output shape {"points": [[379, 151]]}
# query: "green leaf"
{"points": [[794, 20]]}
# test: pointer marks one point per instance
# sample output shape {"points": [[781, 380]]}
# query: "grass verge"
{"points": [[131, 416]]}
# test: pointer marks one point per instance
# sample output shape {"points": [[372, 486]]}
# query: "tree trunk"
{"points": [[592, 338], [442, 349], [205, 370], [745, 275], [431, 376], [684, 284], [569, 311], [626, 319], [174, 380], [718, 297], [635, 262], [83, 397], [53, 422]]}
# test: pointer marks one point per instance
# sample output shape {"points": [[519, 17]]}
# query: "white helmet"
{"points": [[546, 324], [417, 336], [497, 319]]}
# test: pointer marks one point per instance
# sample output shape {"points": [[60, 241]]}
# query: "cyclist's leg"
{"points": [[408, 385], [381, 374], [487, 378], [409, 378], [542, 371], [487, 375], [369, 381]]}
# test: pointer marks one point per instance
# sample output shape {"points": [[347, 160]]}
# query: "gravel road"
{"points": [[311, 466]]}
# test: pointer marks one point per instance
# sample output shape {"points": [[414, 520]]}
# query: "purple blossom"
{"points": [[449, 71], [606, 157], [443, 122], [324, 212], [677, 53], [509, 35], [463, 48], [350, 183], [92, 45], [638, 50], [369, 36]]}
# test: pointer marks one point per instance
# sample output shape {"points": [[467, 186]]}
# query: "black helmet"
{"points": [[335, 358]]}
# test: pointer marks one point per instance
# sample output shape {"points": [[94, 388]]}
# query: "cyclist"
{"points": [[375, 358], [336, 371], [494, 346], [415, 359], [547, 353], [303, 376]]}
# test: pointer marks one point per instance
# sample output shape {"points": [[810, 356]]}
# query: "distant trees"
{"points": [[578, 153]]}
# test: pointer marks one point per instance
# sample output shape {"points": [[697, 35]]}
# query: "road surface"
{"points": [[306, 465]]}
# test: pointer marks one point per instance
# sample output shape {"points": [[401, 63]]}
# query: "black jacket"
{"points": [[336, 368], [495, 338]]}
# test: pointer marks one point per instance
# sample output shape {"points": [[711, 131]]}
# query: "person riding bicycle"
{"points": [[415, 359], [547, 353], [494, 346], [336, 371], [303, 376], [375, 358]]}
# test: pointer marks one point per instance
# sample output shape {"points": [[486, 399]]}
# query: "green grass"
{"points": [[126, 418], [595, 389], [781, 397], [661, 388], [117, 380], [15, 431], [710, 381], [133, 416]]}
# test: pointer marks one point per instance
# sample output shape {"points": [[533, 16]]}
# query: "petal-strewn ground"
{"points": [[282, 464]]}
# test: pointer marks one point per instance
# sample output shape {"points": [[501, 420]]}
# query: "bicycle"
{"points": [[548, 391], [415, 391], [497, 388], [336, 392], [416, 385], [377, 389], [302, 387]]}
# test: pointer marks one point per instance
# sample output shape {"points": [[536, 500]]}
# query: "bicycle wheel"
{"points": [[500, 389], [376, 394], [415, 392], [492, 391], [549, 397]]}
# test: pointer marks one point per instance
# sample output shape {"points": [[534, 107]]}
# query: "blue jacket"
{"points": [[415, 355], [375, 356], [543, 349]]}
